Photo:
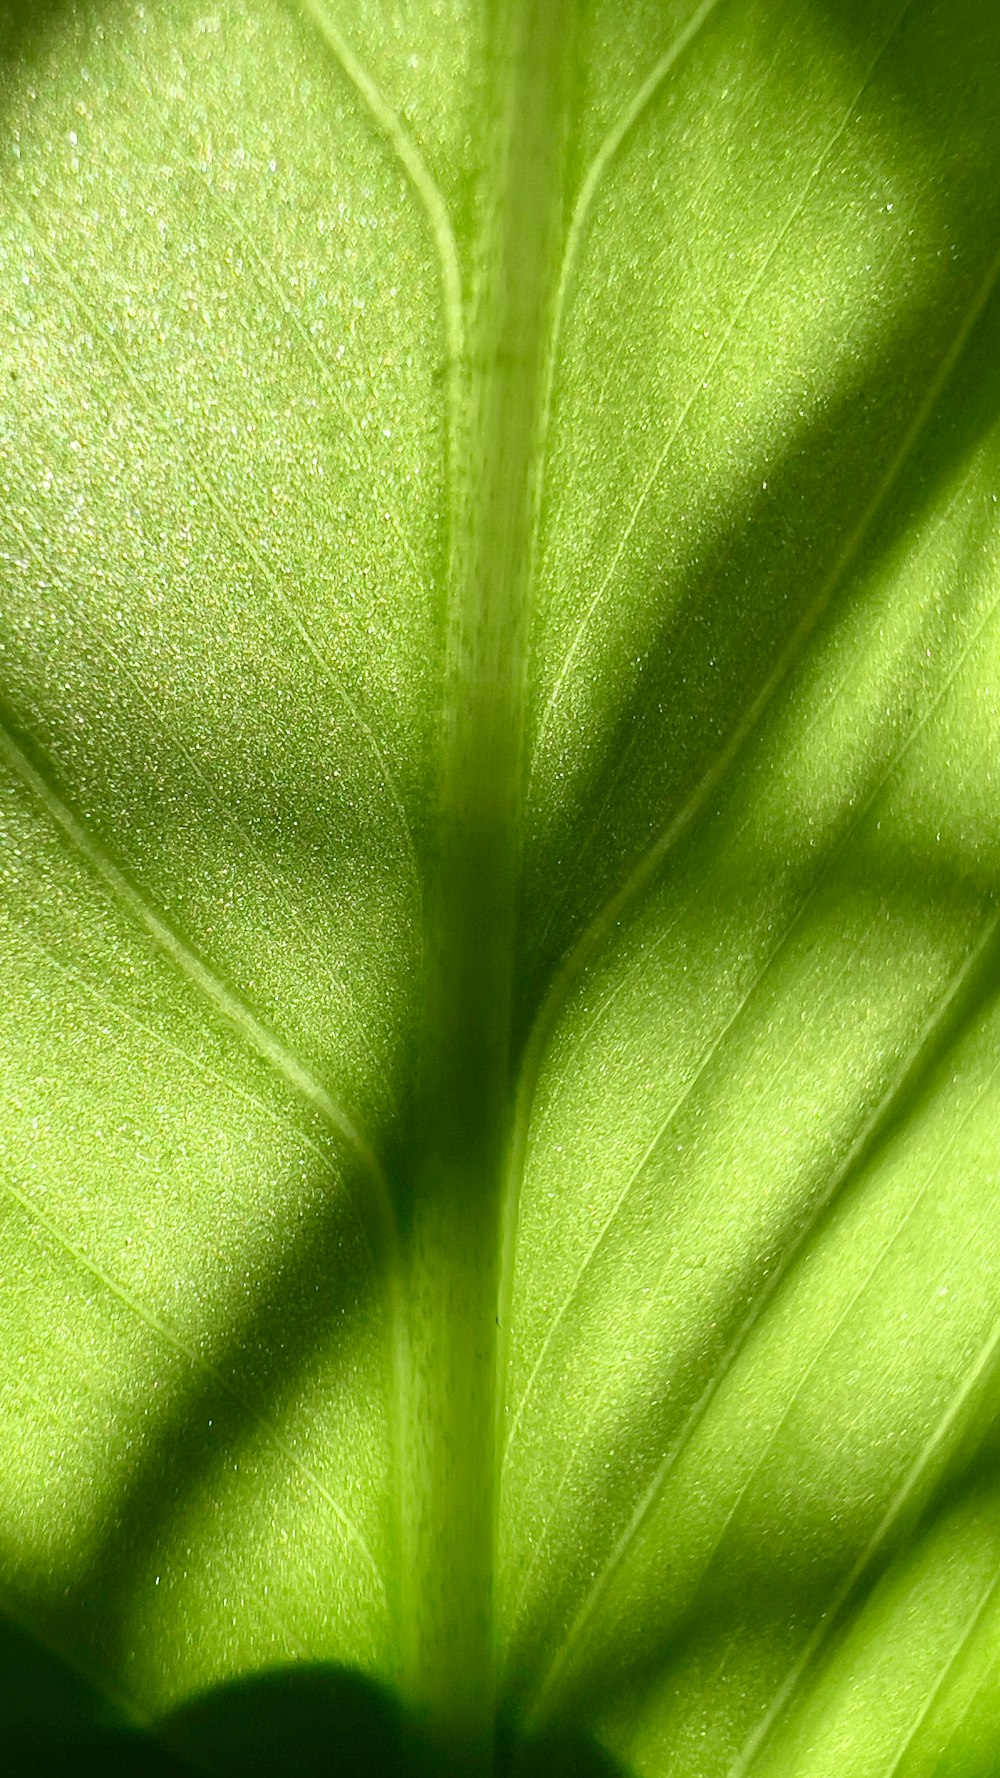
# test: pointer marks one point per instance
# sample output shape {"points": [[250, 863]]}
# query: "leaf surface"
{"points": [[667, 333]]}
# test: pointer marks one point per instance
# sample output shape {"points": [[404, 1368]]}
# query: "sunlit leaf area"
{"points": [[500, 888]]}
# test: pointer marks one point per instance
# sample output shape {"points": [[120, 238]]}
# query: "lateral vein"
{"points": [[253, 554], [338, 987], [876, 1543], [765, 1296], [653, 475], [604, 158], [962, 1643], [254, 1033], [417, 170], [614, 910], [782, 941], [164, 1332]]}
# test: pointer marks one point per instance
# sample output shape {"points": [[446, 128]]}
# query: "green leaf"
{"points": [[499, 702]]}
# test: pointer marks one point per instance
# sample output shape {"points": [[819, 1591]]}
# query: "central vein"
{"points": [[452, 1219]]}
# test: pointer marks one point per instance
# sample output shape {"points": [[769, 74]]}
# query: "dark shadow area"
{"points": [[314, 1721], [310, 1721], [329, 1722], [25, 24], [565, 1752], [52, 1725]]}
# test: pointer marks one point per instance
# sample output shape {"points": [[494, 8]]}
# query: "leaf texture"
{"points": [[254, 455]]}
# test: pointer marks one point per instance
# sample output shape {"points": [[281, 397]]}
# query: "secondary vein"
{"points": [[161, 1328], [136, 904]]}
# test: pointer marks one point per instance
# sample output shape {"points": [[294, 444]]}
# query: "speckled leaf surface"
{"points": [[498, 631]]}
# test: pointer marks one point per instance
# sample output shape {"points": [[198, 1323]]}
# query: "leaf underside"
{"points": [[264, 376]]}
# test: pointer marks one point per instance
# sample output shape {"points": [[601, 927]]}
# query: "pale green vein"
{"points": [[853, 1303], [983, 1699], [253, 554], [209, 986], [770, 1286], [606, 154], [609, 917], [872, 1551], [416, 168], [602, 1010], [962, 1643], [164, 1332], [340, 989], [786, 936], [656, 471], [198, 1066], [473, 910], [603, 1233], [270, 282]]}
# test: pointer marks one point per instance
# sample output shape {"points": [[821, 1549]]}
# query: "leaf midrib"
{"points": [[454, 1190]]}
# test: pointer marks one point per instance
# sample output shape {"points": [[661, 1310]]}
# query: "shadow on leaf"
{"points": [[311, 1720], [559, 1754], [316, 1720], [56, 1726], [330, 1722]]}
